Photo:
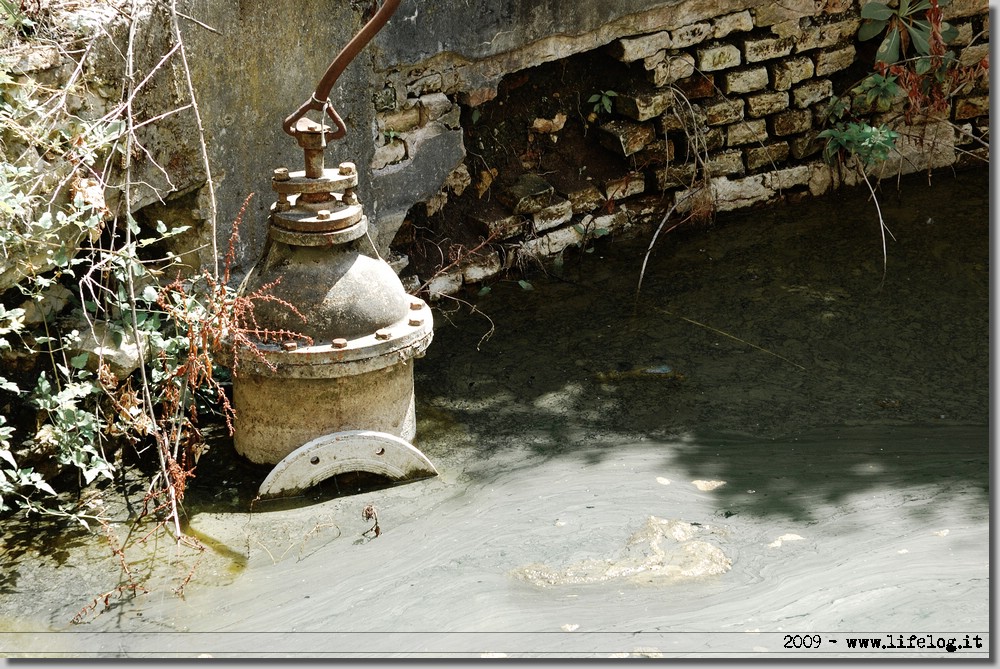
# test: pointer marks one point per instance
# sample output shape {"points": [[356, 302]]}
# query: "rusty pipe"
{"points": [[320, 99]]}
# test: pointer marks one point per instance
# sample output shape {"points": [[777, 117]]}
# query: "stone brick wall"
{"points": [[751, 83]]}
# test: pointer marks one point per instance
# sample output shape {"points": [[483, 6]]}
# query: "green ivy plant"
{"points": [[602, 101], [870, 144]]}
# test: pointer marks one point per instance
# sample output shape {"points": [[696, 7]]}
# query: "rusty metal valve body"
{"points": [[327, 403]]}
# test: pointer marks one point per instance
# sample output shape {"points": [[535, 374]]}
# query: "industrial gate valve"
{"points": [[345, 401]]}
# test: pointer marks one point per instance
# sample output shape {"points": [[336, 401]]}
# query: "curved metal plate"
{"points": [[341, 452]]}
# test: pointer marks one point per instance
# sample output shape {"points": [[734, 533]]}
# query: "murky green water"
{"points": [[846, 419]]}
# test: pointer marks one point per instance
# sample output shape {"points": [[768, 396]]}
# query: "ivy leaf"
{"points": [[40, 484], [5, 455], [79, 361], [525, 285]]}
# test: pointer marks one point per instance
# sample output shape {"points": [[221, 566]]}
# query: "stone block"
{"points": [[720, 57], [770, 155], [964, 36], [529, 194], [829, 35], [820, 178], [789, 177], [613, 222], [745, 81], [971, 55], [673, 67], [836, 6], [28, 59], [791, 122], [962, 8], [122, 354], [552, 243], [389, 154], [690, 35], [963, 134], [746, 132], [650, 62], [499, 225], [434, 106], [828, 62], [772, 13], [791, 71], [697, 87], [675, 176], [411, 283], [763, 104], [458, 180], [712, 139], [919, 148], [966, 108], [730, 195], [646, 207], [552, 216], [644, 106], [723, 111], [446, 283], [806, 145], [549, 126], [725, 163], [402, 120], [426, 84], [585, 199], [812, 92], [683, 118], [630, 49], [633, 183], [732, 23], [625, 137], [481, 267], [756, 50], [657, 152]]}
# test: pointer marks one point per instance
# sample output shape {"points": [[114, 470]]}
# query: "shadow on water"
{"points": [[22, 549], [800, 373]]}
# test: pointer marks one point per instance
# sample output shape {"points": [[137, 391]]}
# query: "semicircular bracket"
{"points": [[341, 452]]}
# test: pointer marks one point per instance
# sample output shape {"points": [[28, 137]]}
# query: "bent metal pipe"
{"points": [[320, 99]]}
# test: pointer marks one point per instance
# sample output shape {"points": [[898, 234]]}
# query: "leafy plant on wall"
{"points": [[906, 25], [914, 51]]}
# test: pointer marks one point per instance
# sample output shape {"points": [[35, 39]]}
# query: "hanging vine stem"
{"points": [[213, 208], [148, 403], [883, 228]]}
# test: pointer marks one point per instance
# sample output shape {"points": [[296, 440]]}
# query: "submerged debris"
{"points": [[662, 552]]}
